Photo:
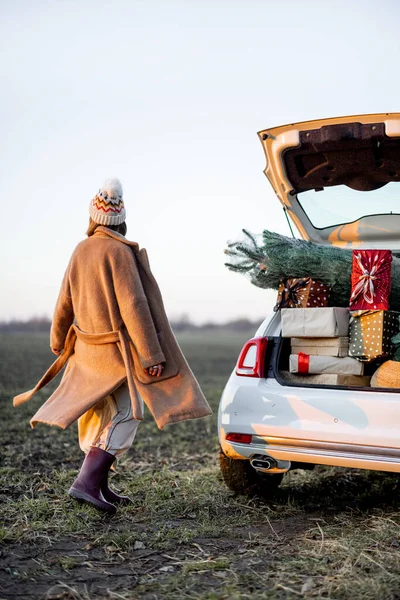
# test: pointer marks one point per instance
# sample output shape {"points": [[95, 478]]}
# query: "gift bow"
{"points": [[289, 293], [365, 286]]}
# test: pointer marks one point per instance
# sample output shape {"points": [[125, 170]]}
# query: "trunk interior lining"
{"points": [[358, 155], [280, 364]]}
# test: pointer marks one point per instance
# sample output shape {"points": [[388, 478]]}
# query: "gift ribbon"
{"points": [[365, 285], [289, 293], [303, 363]]}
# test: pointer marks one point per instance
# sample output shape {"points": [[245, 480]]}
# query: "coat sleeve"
{"points": [[134, 308], [63, 315]]}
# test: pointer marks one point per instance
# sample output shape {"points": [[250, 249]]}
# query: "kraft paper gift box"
{"points": [[305, 364], [315, 322], [371, 333], [327, 379], [321, 346], [301, 292]]}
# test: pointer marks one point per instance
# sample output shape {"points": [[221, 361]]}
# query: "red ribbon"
{"points": [[303, 363]]}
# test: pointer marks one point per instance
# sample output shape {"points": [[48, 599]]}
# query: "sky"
{"points": [[168, 97]]}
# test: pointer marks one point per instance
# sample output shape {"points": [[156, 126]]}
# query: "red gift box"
{"points": [[371, 279]]}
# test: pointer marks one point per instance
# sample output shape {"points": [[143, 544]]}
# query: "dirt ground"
{"points": [[330, 533]]}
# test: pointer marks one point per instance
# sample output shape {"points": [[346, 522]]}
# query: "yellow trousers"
{"points": [[109, 424]]}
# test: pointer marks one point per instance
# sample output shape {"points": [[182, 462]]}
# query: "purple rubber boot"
{"points": [[87, 487], [111, 496]]}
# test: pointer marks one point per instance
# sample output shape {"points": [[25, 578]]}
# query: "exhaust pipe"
{"points": [[261, 463]]}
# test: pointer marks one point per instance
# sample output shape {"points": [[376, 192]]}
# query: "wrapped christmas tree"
{"points": [[276, 257]]}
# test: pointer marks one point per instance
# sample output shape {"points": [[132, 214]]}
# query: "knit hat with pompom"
{"points": [[107, 207]]}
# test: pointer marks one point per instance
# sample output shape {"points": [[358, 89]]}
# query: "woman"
{"points": [[111, 331]]}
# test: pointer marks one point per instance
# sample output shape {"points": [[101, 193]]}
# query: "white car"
{"points": [[267, 425]]}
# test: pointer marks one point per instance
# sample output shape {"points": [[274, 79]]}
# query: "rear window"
{"points": [[340, 204]]}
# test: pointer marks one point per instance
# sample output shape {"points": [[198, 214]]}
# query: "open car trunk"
{"points": [[280, 371], [338, 180]]}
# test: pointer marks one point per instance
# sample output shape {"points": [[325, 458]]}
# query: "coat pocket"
{"points": [[170, 367]]}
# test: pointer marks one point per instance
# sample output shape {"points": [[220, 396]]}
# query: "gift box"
{"points": [[371, 333], [327, 379], [371, 279], [301, 293], [315, 322], [306, 364], [338, 346]]}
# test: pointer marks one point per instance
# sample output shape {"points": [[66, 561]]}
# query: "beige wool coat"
{"points": [[111, 323]]}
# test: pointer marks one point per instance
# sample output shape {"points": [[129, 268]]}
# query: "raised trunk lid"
{"points": [[339, 179]]}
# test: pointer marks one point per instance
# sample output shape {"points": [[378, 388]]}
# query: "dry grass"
{"points": [[331, 533]]}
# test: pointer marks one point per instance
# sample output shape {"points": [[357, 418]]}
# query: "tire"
{"points": [[242, 478]]}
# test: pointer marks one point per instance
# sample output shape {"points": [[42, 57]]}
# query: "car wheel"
{"points": [[242, 478]]}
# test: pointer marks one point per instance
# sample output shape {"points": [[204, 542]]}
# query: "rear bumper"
{"points": [[315, 452]]}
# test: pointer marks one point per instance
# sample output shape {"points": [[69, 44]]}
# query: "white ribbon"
{"points": [[366, 282]]}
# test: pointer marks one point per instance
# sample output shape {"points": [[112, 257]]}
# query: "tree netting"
{"points": [[268, 258]]}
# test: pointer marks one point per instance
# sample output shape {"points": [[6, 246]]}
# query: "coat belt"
{"points": [[75, 333], [118, 337], [97, 338]]}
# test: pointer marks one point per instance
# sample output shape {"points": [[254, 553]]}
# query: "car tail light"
{"points": [[243, 438], [251, 361]]}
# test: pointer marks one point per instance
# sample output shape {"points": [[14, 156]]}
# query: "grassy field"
{"points": [[330, 533]]}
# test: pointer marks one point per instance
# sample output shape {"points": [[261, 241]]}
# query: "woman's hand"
{"points": [[155, 370], [56, 351]]}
